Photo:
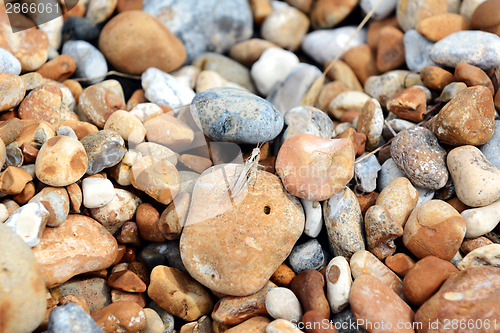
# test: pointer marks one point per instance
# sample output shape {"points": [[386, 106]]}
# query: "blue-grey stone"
{"points": [[235, 115], [71, 318], [80, 28], [208, 25], [164, 89], [9, 63], [289, 93], [491, 149], [365, 173], [324, 45], [424, 194], [307, 120], [90, 62], [388, 172], [417, 51], [308, 255], [167, 318], [478, 48], [104, 149], [382, 9]]}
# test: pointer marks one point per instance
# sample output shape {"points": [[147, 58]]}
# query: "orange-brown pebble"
{"points": [[249, 51], [81, 128], [390, 49], [374, 29], [358, 139], [121, 316], [13, 180], [126, 280], [486, 17], [120, 296], [147, 220], [26, 194], [124, 5], [437, 27], [29, 152], [436, 78], [252, 325], [75, 87], [470, 244], [309, 288], [260, 10], [283, 276], [409, 104], [136, 98], [400, 263], [457, 204], [78, 10], [43, 103], [366, 200], [362, 61], [473, 76], [59, 68], [196, 163], [328, 92], [10, 130], [315, 322]]}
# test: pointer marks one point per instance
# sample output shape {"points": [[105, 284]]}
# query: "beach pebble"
{"points": [[209, 79], [478, 48], [416, 151], [13, 90], [254, 324], [23, 293], [154, 322], [97, 103], [282, 326], [365, 173], [400, 263], [307, 119], [477, 181], [127, 125], [121, 316], [390, 49], [471, 244], [417, 51], [410, 13], [381, 230], [409, 104], [488, 255], [437, 27], [164, 89], [104, 149], [491, 149], [468, 7], [481, 220], [97, 192], [247, 52], [71, 318], [285, 27], [170, 132], [308, 255], [347, 101], [382, 87], [228, 114], [56, 201], [338, 283], [371, 123], [282, 303], [309, 287], [344, 223], [29, 222], [29, 46], [384, 9], [273, 66], [434, 228], [9, 63], [90, 62], [99, 11], [13, 180], [314, 217]]}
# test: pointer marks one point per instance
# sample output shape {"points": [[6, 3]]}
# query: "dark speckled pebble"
{"points": [[80, 28], [104, 149], [308, 255]]}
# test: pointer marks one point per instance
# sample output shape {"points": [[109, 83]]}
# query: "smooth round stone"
{"points": [[491, 149], [485, 17], [344, 223], [23, 293], [325, 45], [338, 283], [382, 87], [61, 161], [29, 46], [373, 302], [165, 90], [347, 101], [366, 172], [488, 255], [478, 48], [77, 246], [9, 63], [468, 7], [384, 9], [282, 303], [167, 319], [282, 326], [477, 181], [144, 111], [285, 27], [410, 12], [381, 230], [121, 171], [97, 192], [371, 123], [90, 62], [250, 236], [234, 115], [13, 91], [476, 288], [212, 25], [307, 120], [273, 66], [66, 131], [289, 93], [417, 152], [99, 11], [439, 26], [451, 90], [42, 103], [71, 318], [154, 322], [314, 217], [314, 168], [434, 228], [482, 220], [127, 42], [309, 286], [308, 255], [417, 51], [56, 201], [170, 132], [157, 151], [29, 222], [127, 125], [80, 28], [249, 51], [326, 14], [124, 316], [468, 119], [208, 79], [104, 149]]}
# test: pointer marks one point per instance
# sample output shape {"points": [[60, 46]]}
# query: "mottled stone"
{"points": [[488, 255], [307, 119], [371, 123], [71, 318], [381, 230], [123, 316], [409, 104], [104, 149], [285, 27], [164, 89], [382, 87], [338, 283], [410, 12], [13, 91], [481, 220], [308, 255], [417, 51], [120, 210]]}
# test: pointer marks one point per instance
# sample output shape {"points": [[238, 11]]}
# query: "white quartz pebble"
{"points": [[482, 220], [282, 303], [97, 192], [29, 222], [314, 217], [338, 283]]}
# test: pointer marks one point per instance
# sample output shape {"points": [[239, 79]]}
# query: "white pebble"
{"points": [[4, 213], [282, 326], [338, 283], [29, 222], [314, 217], [281, 303], [164, 89], [480, 221], [9, 63], [97, 192], [488, 255], [145, 110]]}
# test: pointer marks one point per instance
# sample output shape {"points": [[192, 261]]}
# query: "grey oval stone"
{"points": [[308, 255], [235, 115], [90, 62], [71, 318], [417, 51], [307, 119]]}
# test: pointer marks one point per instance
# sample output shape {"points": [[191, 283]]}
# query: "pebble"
{"points": [[328, 92], [325, 45], [417, 51], [23, 294], [97, 104], [165, 90], [257, 248], [208, 79], [146, 111], [478, 48], [491, 148], [416, 151], [228, 22], [436, 78], [234, 115], [481, 220], [282, 303], [97, 192], [460, 292], [307, 120], [71, 318], [365, 263], [309, 288], [29, 46], [346, 102], [381, 230], [476, 180], [283, 276], [344, 223], [437, 27], [121, 316], [371, 123], [170, 132], [382, 10], [98, 11], [282, 326], [471, 244], [342, 72], [128, 44], [285, 27], [314, 217], [252, 325], [79, 245], [58, 69], [80, 28], [9, 63], [154, 322], [13, 180], [167, 319], [90, 62], [373, 302], [468, 119], [57, 203], [468, 7], [410, 13], [272, 67], [104, 149], [434, 228], [488, 255], [338, 283], [390, 49], [308, 255], [157, 151], [178, 293], [409, 104], [13, 91], [325, 14], [383, 86], [365, 173], [400, 263], [247, 52], [127, 125]]}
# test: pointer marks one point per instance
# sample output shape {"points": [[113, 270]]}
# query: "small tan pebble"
{"points": [[374, 29], [121, 316], [340, 71], [29, 152], [74, 87], [196, 163], [208, 79], [327, 14], [75, 197], [283, 276], [13, 180], [77, 299], [285, 27], [177, 293], [32, 80], [409, 104], [127, 125], [61, 161], [42, 103], [31, 128], [371, 123], [126, 280], [173, 217], [154, 322], [390, 49], [10, 130], [399, 197], [202, 325], [347, 101], [81, 128], [362, 61], [26, 194], [309, 288], [13, 90], [434, 228], [147, 217], [169, 131], [249, 51], [471, 244], [327, 93], [400, 263], [437, 27], [381, 230], [282, 326], [140, 270], [260, 10], [129, 234], [136, 98], [98, 103], [473, 76], [58, 69], [252, 325], [436, 78]]}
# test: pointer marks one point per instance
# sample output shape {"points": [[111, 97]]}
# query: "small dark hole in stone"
{"points": [[213, 276], [267, 210]]}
